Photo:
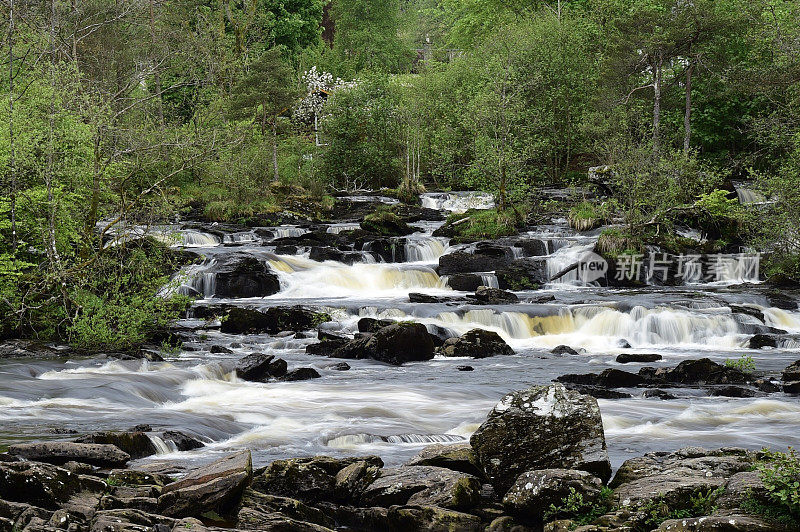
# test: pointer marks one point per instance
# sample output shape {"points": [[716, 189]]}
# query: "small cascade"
{"points": [[782, 319], [302, 277], [241, 238], [734, 269], [162, 446], [563, 257], [193, 280], [338, 228], [748, 196], [427, 249], [288, 231], [457, 202], [489, 280], [350, 440], [191, 238]]}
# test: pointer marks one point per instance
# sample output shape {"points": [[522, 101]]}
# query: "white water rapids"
{"points": [[395, 411]]}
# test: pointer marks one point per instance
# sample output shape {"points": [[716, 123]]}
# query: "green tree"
{"points": [[266, 92]]}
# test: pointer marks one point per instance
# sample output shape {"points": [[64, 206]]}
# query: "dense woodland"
{"points": [[141, 111]]}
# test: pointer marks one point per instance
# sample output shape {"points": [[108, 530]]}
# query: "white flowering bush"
{"points": [[317, 85]]}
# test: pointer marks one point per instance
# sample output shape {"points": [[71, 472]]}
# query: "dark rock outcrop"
{"points": [[396, 344], [627, 358], [260, 367], [456, 457], [242, 275], [523, 274], [57, 452], [545, 427], [301, 374], [464, 282], [492, 296], [462, 262], [424, 486], [477, 343], [534, 491], [136, 443], [273, 320]]}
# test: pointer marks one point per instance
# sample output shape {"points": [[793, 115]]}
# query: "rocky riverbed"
{"points": [[353, 374]]}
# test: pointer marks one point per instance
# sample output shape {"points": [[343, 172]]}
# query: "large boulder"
{"points": [[458, 457], [425, 486], [545, 427], [791, 378], [259, 509], [523, 274], [242, 275], [260, 367], [215, 487], [477, 343], [674, 478], [42, 485], [386, 224], [534, 491], [431, 519], [702, 371], [462, 262], [396, 344], [136, 443], [464, 282], [60, 452], [273, 320]]}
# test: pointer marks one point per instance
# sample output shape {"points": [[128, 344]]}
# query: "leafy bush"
{"points": [[780, 473], [717, 205], [658, 510], [581, 511], [745, 363], [482, 224], [588, 215]]}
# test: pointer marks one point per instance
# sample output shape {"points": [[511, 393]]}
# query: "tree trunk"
{"points": [[687, 125], [657, 105], [52, 251], [275, 147]]}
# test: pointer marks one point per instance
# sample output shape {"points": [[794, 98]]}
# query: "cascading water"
{"points": [[457, 202], [425, 249]]}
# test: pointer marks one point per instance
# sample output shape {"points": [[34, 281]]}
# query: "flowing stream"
{"points": [[395, 411]]}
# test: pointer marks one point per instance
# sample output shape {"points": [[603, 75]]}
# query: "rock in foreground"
{"points": [[545, 427]]}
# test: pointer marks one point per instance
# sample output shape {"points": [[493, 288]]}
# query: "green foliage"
{"points": [[780, 473], [361, 129], [717, 205], [482, 224], [658, 510], [580, 511], [587, 215], [745, 363]]}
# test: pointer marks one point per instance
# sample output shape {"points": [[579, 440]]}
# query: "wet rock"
{"points": [[372, 325], [31, 349], [307, 479], [728, 523], [126, 519], [218, 349], [135, 477], [456, 457], [623, 344], [477, 343], [732, 391], [462, 262], [676, 477], [387, 224], [465, 368], [464, 282], [741, 488], [608, 378], [783, 300], [241, 275], [533, 247], [564, 350], [301, 374], [215, 487], [60, 452], [523, 274], [791, 378], [597, 392], [181, 440], [352, 481], [414, 297], [534, 491], [493, 296], [256, 505], [702, 371], [396, 344], [326, 348], [760, 341], [387, 249], [628, 358], [273, 320], [260, 367], [431, 519], [341, 366], [136, 443], [544, 427], [423, 485], [659, 394], [40, 484]]}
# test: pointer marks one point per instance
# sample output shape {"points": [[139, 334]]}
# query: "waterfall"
{"points": [[162, 446], [239, 238], [288, 231], [427, 249], [197, 239], [338, 228], [489, 280], [350, 440]]}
